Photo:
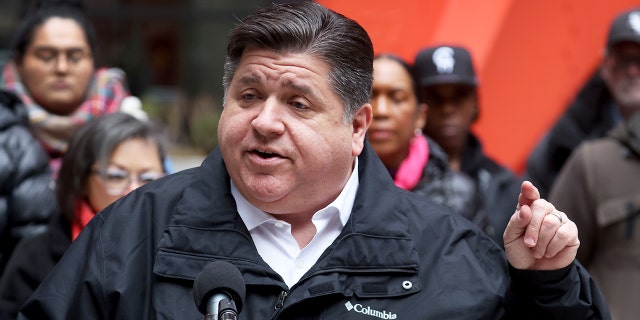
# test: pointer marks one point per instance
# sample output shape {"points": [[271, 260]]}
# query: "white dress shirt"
{"points": [[276, 244]]}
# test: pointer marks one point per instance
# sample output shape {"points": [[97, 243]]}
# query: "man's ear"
{"points": [[606, 66], [360, 123], [605, 72]]}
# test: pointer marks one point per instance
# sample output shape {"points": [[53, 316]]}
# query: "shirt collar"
{"points": [[254, 217]]}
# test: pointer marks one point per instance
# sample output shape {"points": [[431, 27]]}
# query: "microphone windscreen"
{"points": [[218, 277]]}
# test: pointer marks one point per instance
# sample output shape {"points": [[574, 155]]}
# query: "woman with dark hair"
{"points": [[415, 162], [53, 71], [107, 158], [51, 87]]}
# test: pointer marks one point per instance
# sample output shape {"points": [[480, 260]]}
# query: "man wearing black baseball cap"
{"points": [[625, 28], [448, 84], [605, 100], [445, 65]]}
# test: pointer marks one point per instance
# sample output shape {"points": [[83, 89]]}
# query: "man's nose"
{"points": [[633, 69], [269, 119]]}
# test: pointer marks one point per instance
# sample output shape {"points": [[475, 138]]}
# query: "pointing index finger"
{"points": [[528, 194]]}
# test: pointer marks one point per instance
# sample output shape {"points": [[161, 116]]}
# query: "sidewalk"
{"points": [[183, 157]]}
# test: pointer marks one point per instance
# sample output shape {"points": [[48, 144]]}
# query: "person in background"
{"points": [[602, 103], [295, 198], [599, 186], [25, 177], [52, 71], [107, 158], [415, 162], [448, 85]]}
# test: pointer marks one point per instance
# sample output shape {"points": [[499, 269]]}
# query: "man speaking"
{"points": [[297, 200]]}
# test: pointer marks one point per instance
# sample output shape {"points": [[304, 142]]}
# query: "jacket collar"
{"points": [[628, 133], [472, 154], [206, 227]]}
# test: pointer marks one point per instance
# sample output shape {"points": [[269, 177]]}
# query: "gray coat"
{"points": [[599, 187]]}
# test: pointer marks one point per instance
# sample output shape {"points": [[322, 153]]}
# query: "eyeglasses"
{"points": [[624, 62], [51, 56], [116, 182]]}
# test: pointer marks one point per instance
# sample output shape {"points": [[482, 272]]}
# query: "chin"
{"points": [[62, 108], [264, 188]]}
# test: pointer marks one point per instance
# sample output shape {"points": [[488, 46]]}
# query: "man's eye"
{"points": [[249, 96], [299, 105], [432, 100]]}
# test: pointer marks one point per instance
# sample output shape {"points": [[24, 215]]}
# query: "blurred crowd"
{"points": [[73, 140]]}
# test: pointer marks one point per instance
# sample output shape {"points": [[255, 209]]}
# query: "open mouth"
{"points": [[265, 154]]}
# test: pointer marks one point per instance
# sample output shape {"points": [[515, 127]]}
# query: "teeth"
{"points": [[265, 154]]}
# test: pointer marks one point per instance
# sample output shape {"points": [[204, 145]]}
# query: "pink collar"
{"points": [[410, 170]]}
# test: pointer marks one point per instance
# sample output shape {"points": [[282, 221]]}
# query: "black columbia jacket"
{"points": [[399, 257]]}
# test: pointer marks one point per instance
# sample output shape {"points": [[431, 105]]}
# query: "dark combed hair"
{"points": [[43, 11], [94, 143], [308, 27]]}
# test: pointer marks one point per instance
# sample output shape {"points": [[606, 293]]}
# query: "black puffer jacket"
{"points": [[399, 256], [26, 185], [497, 187], [36, 258], [452, 189]]}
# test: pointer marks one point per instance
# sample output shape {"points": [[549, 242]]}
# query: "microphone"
{"points": [[219, 290]]}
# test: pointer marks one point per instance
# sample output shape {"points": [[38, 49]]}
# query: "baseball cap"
{"points": [[444, 64], [626, 27]]}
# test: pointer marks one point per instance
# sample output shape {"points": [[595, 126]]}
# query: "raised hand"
{"points": [[539, 237]]}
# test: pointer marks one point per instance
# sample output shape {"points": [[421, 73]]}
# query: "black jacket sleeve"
{"points": [[568, 293]]}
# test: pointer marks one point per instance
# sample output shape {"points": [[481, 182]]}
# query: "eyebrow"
{"points": [[249, 79], [297, 87], [51, 48], [290, 84]]}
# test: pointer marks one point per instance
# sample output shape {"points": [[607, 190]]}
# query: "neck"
{"points": [[392, 162], [455, 163], [454, 155]]}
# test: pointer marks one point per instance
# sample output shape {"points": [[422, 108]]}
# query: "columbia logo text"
{"points": [[366, 310]]}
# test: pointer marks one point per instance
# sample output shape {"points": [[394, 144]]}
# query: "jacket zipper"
{"points": [[283, 295]]}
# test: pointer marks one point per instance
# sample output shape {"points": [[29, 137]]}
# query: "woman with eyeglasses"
{"points": [[52, 73], [107, 158]]}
